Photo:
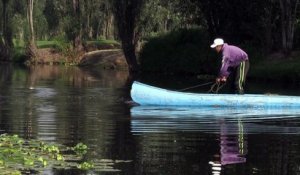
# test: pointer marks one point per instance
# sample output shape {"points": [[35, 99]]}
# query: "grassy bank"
{"points": [[60, 50], [56, 43]]}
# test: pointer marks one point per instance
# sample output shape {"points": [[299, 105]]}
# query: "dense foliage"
{"points": [[181, 51], [269, 26]]}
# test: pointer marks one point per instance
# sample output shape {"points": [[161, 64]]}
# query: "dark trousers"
{"points": [[239, 75]]}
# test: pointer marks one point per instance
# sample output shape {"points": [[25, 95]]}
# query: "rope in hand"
{"points": [[195, 86], [216, 87]]}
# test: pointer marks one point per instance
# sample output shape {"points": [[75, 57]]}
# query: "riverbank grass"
{"points": [[60, 51]]}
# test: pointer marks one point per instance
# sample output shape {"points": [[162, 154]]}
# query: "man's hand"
{"points": [[221, 79]]}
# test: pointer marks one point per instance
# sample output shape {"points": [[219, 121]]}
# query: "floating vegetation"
{"points": [[19, 156], [107, 165], [80, 149]]}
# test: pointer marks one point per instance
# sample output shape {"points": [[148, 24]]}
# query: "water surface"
{"points": [[67, 105]]}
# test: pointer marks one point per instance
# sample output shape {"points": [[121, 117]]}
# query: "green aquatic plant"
{"points": [[18, 155], [85, 166], [80, 149]]}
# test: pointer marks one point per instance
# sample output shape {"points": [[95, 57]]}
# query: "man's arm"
{"points": [[224, 68]]}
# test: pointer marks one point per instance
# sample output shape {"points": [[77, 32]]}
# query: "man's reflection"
{"points": [[233, 146]]}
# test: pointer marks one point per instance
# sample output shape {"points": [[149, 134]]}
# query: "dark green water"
{"points": [[68, 105]]}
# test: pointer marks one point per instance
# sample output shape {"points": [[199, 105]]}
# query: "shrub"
{"points": [[181, 51]]}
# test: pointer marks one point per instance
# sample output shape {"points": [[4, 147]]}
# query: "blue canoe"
{"points": [[153, 96]]}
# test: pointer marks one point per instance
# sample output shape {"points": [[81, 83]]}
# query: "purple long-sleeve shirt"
{"points": [[232, 56]]}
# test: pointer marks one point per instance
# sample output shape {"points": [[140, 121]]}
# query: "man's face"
{"points": [[218, 48]]}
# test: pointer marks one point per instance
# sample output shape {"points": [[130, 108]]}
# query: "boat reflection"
{"points": [[231, 126], [208, 120]]}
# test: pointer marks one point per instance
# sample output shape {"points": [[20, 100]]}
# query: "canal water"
{"points": [[68, 105]]}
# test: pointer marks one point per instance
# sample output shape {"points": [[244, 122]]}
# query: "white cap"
{"points": [[217, 42]]}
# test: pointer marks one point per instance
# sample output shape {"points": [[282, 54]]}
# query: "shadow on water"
{"points": [[68, 105]]}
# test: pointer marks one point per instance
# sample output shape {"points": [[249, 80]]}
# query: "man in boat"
{"points": [[234, 61]]}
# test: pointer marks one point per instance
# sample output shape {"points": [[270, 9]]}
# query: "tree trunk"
{"points": [[288, 9], [129, 52], [109, 26], [30, 20], [4, 16], [88, 10], [126, 14], [108, 21], [6, 38], [98, 30], [212, 15], [89, 26], [77, 37], [31, 50], [268, 22]]}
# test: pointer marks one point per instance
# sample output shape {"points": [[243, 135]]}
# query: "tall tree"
{"points": [[127, 13], [77, 43], [167, 16], [6, 36], [30, 20], [288, 9], [31, 49], [267, 25], [52, 17], [88, 12], [109, 19], [213, 12]]}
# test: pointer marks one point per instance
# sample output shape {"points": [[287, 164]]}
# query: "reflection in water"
{"points": [[209, 119], [65, 105], [75, 77], [46, 112], [233, 147], [230, 127]]}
